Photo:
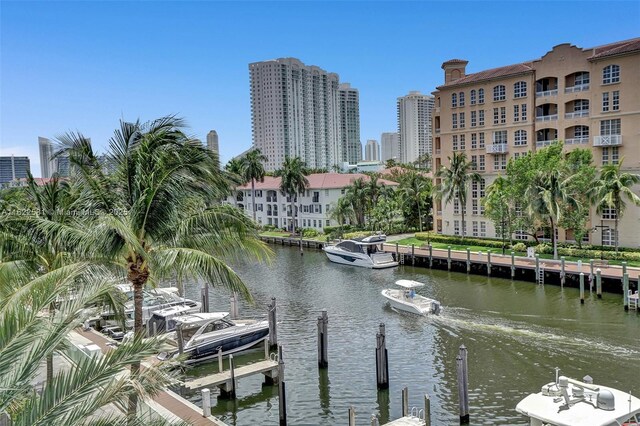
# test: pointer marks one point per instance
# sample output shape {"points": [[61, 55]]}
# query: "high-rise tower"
{"points": [[414, 125]]}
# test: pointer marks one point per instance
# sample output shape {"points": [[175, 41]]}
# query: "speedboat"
{"points": [[568, 402], [366, 252], [405, 299], [204, 334]]}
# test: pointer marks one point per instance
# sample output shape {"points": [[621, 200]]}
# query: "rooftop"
{"points": [[319, 181]]}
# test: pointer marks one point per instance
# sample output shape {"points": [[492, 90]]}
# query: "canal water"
{"points": [[516, 334]]}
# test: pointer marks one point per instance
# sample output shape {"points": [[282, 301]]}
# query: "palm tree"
{"points": [[423, 161], [497, 203], [293, 181], [547, 195], [455, 182], [342, 212], [233, 170], [357, 194], [611, 189], [253, 170], [156, 214], [415, 190]]}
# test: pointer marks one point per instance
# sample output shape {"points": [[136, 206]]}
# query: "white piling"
{"points": [[206, 402]]}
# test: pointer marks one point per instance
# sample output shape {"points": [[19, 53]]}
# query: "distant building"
{"points": [[390, 147], [350, 124], [212, 141], [47, 164], [295, 113], [13, 168], [372, 150], [414, 126]]}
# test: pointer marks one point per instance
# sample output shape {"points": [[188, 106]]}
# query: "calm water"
{"points": [[515, 332]]}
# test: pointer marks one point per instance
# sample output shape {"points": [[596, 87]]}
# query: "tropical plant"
{"points": [[293, 181], [499, 207], [611, 189], [342, 212], [423, 161], [455, 182], [415, 192], [356, 194], [253, 170]]}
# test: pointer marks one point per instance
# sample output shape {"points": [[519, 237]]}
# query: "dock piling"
{"points": [[427, 410], [405, 402], [352, 415], [374, 420], [220, 365], [179, 338], [323, 340], [488, 262], [562, 272], [591, 275], [382, 362], [625, 291], [430, 256], [599, 283], [204, 297], [206, 402], [273, 336], [463, 384], [581, 288], [624, 267], [397, 253], [282, 396], [537, 268], [468, 260], [513, 265], [448, 258], [413, 254], [232, 368], [233, 300]]}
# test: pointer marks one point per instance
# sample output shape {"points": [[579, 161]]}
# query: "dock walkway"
{"points": [[269, 367]]}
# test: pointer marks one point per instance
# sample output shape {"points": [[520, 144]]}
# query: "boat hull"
{"points": [[229, 344], [356, 259], [418, 305]]}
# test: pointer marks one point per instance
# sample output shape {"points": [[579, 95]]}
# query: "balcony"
{"points": [[437, 129], [577, 114], [577, 88], [551, 117], [577, 141], [437, 109], [273, 199], [540, 144], [546, 93], [497, 148], [438, 151], [607, 140]]}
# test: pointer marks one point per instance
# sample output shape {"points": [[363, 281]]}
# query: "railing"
{"points": [[497, 148], [438, 151], [576, 114], [551, 117], [547, 93], [540, 144], [272, 199], [577, 141], [437, 109], [607, 140], [577, 88], [437, 129]]}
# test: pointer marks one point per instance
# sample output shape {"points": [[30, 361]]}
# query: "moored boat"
{"points": [[407, 300], [365, 252]]}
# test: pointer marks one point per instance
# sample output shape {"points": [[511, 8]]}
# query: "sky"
{"points": [[85, 65]]}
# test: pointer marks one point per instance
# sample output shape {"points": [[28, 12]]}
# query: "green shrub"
{"points": [[458, 240], [544, 248], [521, 247], [310, 233], [269, 228]]}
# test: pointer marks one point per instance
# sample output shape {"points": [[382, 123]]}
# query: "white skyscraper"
{"points": [[350, 124], [390, 146], [414, 125], [372, 150], [212, 141], [295, 113], [47, 163]]}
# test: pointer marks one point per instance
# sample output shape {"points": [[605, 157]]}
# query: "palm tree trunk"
{"points": [[52, 309], [419, 217], [253, 198], [462, 214], [137, 275], [294, 221], [553, 238]]}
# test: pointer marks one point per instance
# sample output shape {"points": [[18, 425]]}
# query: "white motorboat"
{"points": [[569, 402], [204, 334], [405, 299], [365, 252]]}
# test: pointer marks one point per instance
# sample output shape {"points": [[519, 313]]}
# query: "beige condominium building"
{"points": [[587, 98]]}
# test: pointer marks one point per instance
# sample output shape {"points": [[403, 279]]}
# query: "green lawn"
{"points": [[275, 234]]}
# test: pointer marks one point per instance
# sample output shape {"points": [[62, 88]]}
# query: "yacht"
{"points": [[568, 402], [405, 299], [205, 333], [365, 252]]}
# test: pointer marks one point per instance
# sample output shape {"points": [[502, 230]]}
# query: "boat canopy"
{"points": [[409, 283]]}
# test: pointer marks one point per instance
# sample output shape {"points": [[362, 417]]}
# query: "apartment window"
{"points": [[326, 192], [456, 227], [609, 213], [474, 190], [481, 144], [483, 229], [454, 100], [474, 162], [481, 163], [608, 237], [462, 142], [615, 104], [461, 99], [472, 97], [517, 155], [581, 132], [496, 115], [454, 144], [474, 207], [499, 93], [610, 127], [462, 120], [474, 228], [582, 78], [481, 117], [611, 74], [520, 138], [328, 223], [516, 113], [523, 110], [500, 136], [454, 120], [474, 141], [605, 101], [519, 234], [456, 206], [520, 89], [605, 155], [503, 115], [473, 118], [500, 162], [615, 155], [480, 96], [610, 154]]}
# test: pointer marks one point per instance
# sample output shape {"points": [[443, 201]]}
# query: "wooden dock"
{"points": [[223, 379]]}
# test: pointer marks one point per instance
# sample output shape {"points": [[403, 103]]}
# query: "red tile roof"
{"points": [[617, 48], [318, 181], [490, 74]]}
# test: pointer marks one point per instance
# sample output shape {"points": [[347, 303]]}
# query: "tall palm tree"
{"points": [[415, 190], [612, 188], [357, 194], [342, 212], [547, 195], [498, 206], [253, 170], [293, 181], [156, 214], [233, 170], [455, 182]]}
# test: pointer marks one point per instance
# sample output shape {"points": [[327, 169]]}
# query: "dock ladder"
{"points": [[402, 258], [540, 277]]}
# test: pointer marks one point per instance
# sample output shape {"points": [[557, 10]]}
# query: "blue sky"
{"points": [[84, 65]]}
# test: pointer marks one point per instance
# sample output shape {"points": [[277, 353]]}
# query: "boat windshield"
{"points": [[350, 246]]}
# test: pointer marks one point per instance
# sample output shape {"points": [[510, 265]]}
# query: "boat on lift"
{"points": [[569, 402], [406, 299], [365, 252]]}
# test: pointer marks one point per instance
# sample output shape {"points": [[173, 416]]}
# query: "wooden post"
{"points": [[562, 273], [468, 260], [513, 265], [591, 275], [155, 328], [581, 288], [179, 338], [537, 266], [463, 384], [206, 402], [405, 402], [273, 336], [232, 368], [204, 296], [413, 254], [449, 258], [599, 283], [382, 362], [352, 415], [234, 305], [282, 395], [374, 420], [430, 256], [624, 267], [220, 364], [397, 253], [427, 410], [323, 339], [488, 262], [266, 349], [625, 291]]}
